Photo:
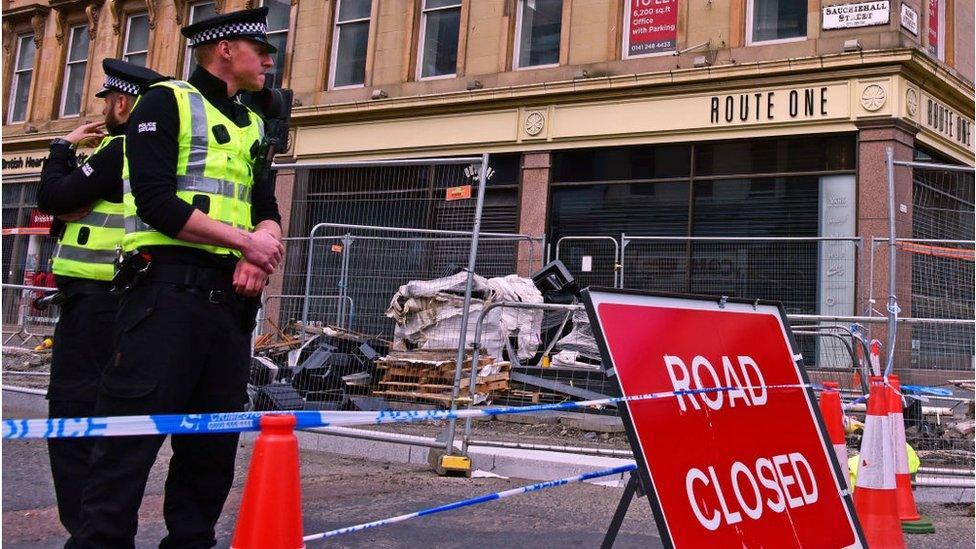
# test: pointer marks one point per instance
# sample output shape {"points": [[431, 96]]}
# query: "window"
{"points": [[440, 22], [21, 81], [74, 71], [198, 12], [349, 39], [136, 48], [279, 16], [937, 28], [776, 20], [537, 33]]}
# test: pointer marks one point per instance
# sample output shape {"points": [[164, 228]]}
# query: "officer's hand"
{"points": [[263, 249], [75, 215], [249, 279], [86, 132]]}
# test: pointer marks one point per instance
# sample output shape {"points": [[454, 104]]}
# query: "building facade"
{"points": [[752, 119]]}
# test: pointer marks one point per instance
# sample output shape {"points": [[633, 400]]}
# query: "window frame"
{"points": [[287, 31], [940, 49], [517, 48], [625, 35], [128, 33], [67, 66], [749, 21], [27, 38], [422, 37], [188, 53], [333, 54]]}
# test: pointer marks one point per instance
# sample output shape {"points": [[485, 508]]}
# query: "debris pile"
{"points": [[428, 376]]}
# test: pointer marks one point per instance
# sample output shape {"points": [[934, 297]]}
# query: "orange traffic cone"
{"points": [[833, 417], [874, 495], [911, 520], [271, 509], [875, 358]]}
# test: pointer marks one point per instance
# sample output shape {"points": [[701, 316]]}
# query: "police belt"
{"points": [[217, 284], [71, 287]]}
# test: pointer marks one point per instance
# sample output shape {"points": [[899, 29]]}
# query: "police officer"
{"points": [[88, 201], [204, 237]]}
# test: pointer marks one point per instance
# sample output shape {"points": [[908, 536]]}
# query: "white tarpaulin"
{"points": [[428, 313]]}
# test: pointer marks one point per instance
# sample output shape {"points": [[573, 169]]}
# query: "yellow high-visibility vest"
{"points": [[89, 246], [216, 178]]}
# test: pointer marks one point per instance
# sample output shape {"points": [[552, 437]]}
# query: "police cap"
{"points": [[248, 24], [126, 78]]}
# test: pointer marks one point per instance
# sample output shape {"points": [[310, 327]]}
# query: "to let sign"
{"points": [[865, 14], [651, 26], [745, 466]]}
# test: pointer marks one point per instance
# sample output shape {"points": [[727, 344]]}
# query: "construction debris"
{"points": [[428, 376]]}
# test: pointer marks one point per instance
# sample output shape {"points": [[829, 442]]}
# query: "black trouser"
{"points": [[82, 347], [176, 352]]}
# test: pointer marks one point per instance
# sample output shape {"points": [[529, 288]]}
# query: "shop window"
{"points": [[622, 163], [21, 81], [439, 27], [198, 12], [350, 38], [768, 156], [74, 71], [279, 17], [136, 44], [776, 21], [538, 26], [937, 24]]}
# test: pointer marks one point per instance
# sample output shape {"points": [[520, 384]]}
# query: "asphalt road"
{"points": [[339, 492]]}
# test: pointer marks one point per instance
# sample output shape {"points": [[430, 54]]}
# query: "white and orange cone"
{"points": [[875, 358], [908, 513], [874, 496], [833, 417]]}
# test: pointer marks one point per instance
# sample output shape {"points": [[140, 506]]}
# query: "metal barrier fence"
{"points": [[23, 323]]}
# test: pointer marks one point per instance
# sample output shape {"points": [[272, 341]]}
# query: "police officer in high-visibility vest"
{"points": [[202, 238], [88, 202]]}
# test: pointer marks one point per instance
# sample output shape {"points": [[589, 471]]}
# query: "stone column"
{"points": [[533, 207], [283, 192], [874, 138]]}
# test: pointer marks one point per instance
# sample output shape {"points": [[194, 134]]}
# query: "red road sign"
{"points": [[749, 467]]}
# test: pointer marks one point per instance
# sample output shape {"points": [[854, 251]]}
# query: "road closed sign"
{"points": [[731, 450]]}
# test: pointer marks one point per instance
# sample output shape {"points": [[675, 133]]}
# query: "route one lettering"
{"points": [[744, 375], [786, 480]]}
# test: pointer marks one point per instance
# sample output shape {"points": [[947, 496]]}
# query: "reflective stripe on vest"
{"points": [[88, 247], [214, 177]]}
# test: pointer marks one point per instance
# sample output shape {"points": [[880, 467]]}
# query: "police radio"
{"points": [[274, 106]]}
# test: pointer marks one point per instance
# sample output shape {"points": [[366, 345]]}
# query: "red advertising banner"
{"points": [[738, 456], [650, 26], [934, 27]]}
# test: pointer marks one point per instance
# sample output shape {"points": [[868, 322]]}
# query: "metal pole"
{"points": [[308, 277], [892, 263], [347, 242], [466, 310]]}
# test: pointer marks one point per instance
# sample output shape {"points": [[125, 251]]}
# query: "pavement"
{"points": [[347, 481]]}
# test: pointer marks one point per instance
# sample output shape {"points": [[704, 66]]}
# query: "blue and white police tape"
{"points": [[474, 501], [238, 422]]}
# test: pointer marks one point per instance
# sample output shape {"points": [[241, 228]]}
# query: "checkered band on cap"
{"points": [[230, 29], [124, 86]]}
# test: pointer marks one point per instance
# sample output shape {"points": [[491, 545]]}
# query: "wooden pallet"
{"points": [[428, 375]]}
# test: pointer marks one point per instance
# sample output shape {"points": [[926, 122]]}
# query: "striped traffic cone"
{"points": [[874, 495], [875, 358], [911, 520], [833, 418], [271, 507]]}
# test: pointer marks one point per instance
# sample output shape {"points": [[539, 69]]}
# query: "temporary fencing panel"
{"points": [[592, 260]]}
